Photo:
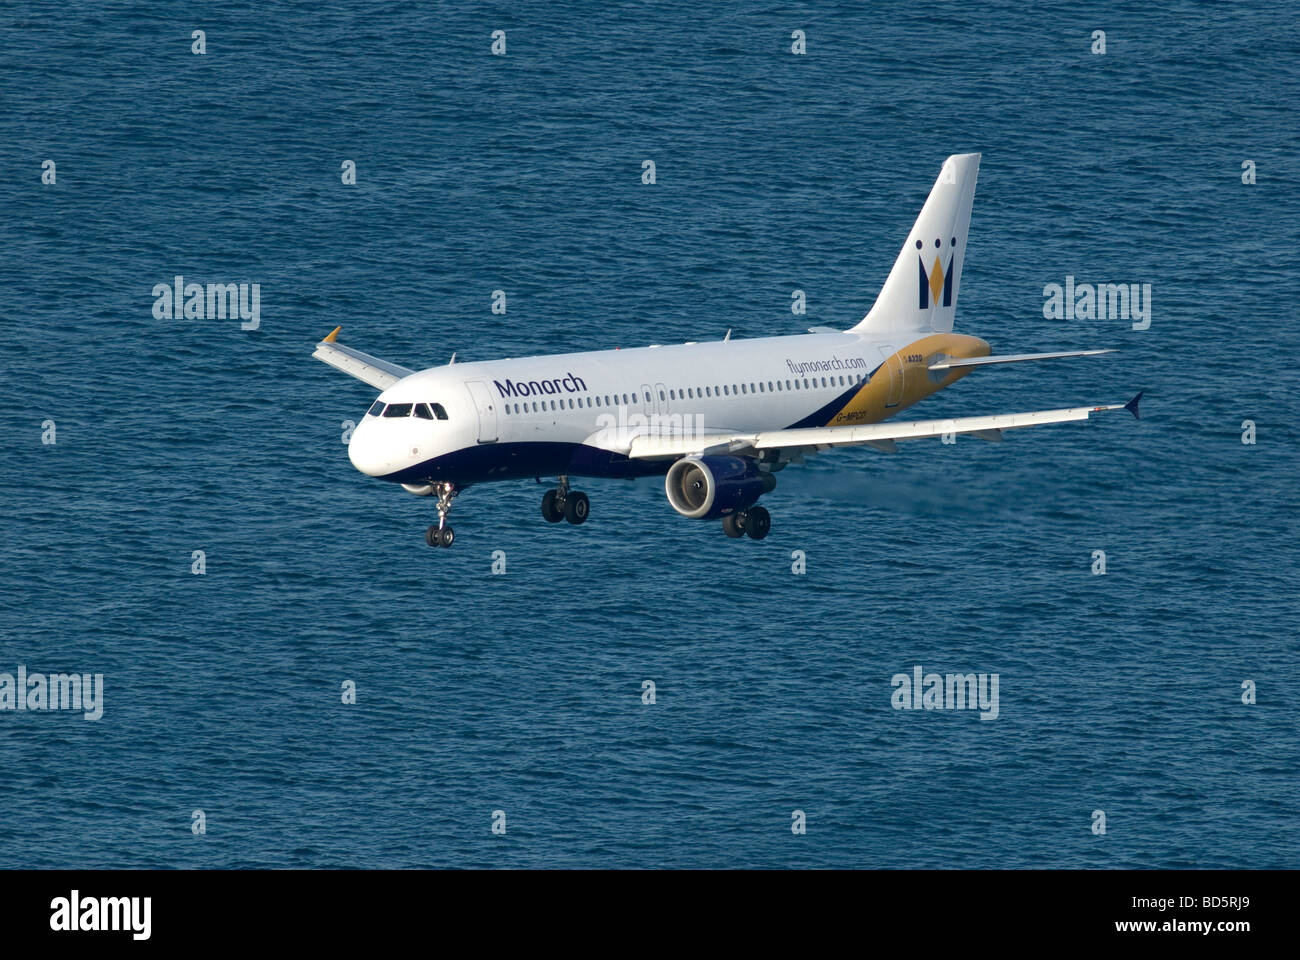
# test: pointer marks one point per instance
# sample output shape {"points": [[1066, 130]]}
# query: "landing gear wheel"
{"points": [[757, 522], [441, 535], [552, 507], [576, 507], [732, 525]]}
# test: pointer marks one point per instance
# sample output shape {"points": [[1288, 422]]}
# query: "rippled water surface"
{"points": [[522, 692]]}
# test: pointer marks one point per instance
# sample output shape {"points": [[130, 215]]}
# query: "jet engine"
{"points": [[704, 488]]}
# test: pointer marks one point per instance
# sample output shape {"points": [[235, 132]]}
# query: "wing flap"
{"points": [[669, 447]]}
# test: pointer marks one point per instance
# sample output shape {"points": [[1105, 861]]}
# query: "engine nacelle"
{"points": [[703, 488]]}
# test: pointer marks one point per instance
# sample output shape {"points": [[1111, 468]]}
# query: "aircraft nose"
{"points": [[368, 452]]}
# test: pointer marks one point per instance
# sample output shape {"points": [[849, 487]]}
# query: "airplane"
{"points": [[718, 420]]}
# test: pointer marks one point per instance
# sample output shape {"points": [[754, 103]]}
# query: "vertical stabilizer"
{"points": [[920, 294]]}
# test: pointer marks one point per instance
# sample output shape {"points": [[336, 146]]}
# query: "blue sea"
{"points": [[1120, 693]]}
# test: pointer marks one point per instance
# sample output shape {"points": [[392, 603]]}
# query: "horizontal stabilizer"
{"points": [[951, 363]]}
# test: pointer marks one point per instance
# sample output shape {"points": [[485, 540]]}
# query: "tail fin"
{"points": [[920, 294]]}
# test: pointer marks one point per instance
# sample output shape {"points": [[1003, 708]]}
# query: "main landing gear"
{"points": [[442, 535], [755, 521], [565, 504]]}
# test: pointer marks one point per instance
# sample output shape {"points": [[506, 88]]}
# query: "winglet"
{"points": [[1132, 405], [333, 333]]}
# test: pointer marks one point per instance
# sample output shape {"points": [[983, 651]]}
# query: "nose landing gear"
{"points": [[442, 535], [565, 504]]}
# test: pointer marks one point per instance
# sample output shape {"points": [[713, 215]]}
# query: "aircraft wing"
{"points": [[881, 436], [378, 373]]}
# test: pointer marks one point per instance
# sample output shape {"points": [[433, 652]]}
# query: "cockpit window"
{"points": [[422, 411], [438, 411], [398, 410], [376, 409]]}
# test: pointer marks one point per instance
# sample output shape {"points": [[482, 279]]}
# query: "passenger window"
{"points": [[375, 409], [398, 410], [423, 412]]}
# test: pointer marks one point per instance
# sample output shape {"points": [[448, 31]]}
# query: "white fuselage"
{"points": [[570, 413]]}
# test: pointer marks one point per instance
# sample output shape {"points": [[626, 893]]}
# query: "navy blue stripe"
{"points": [[824, 415], [513, 461]]}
